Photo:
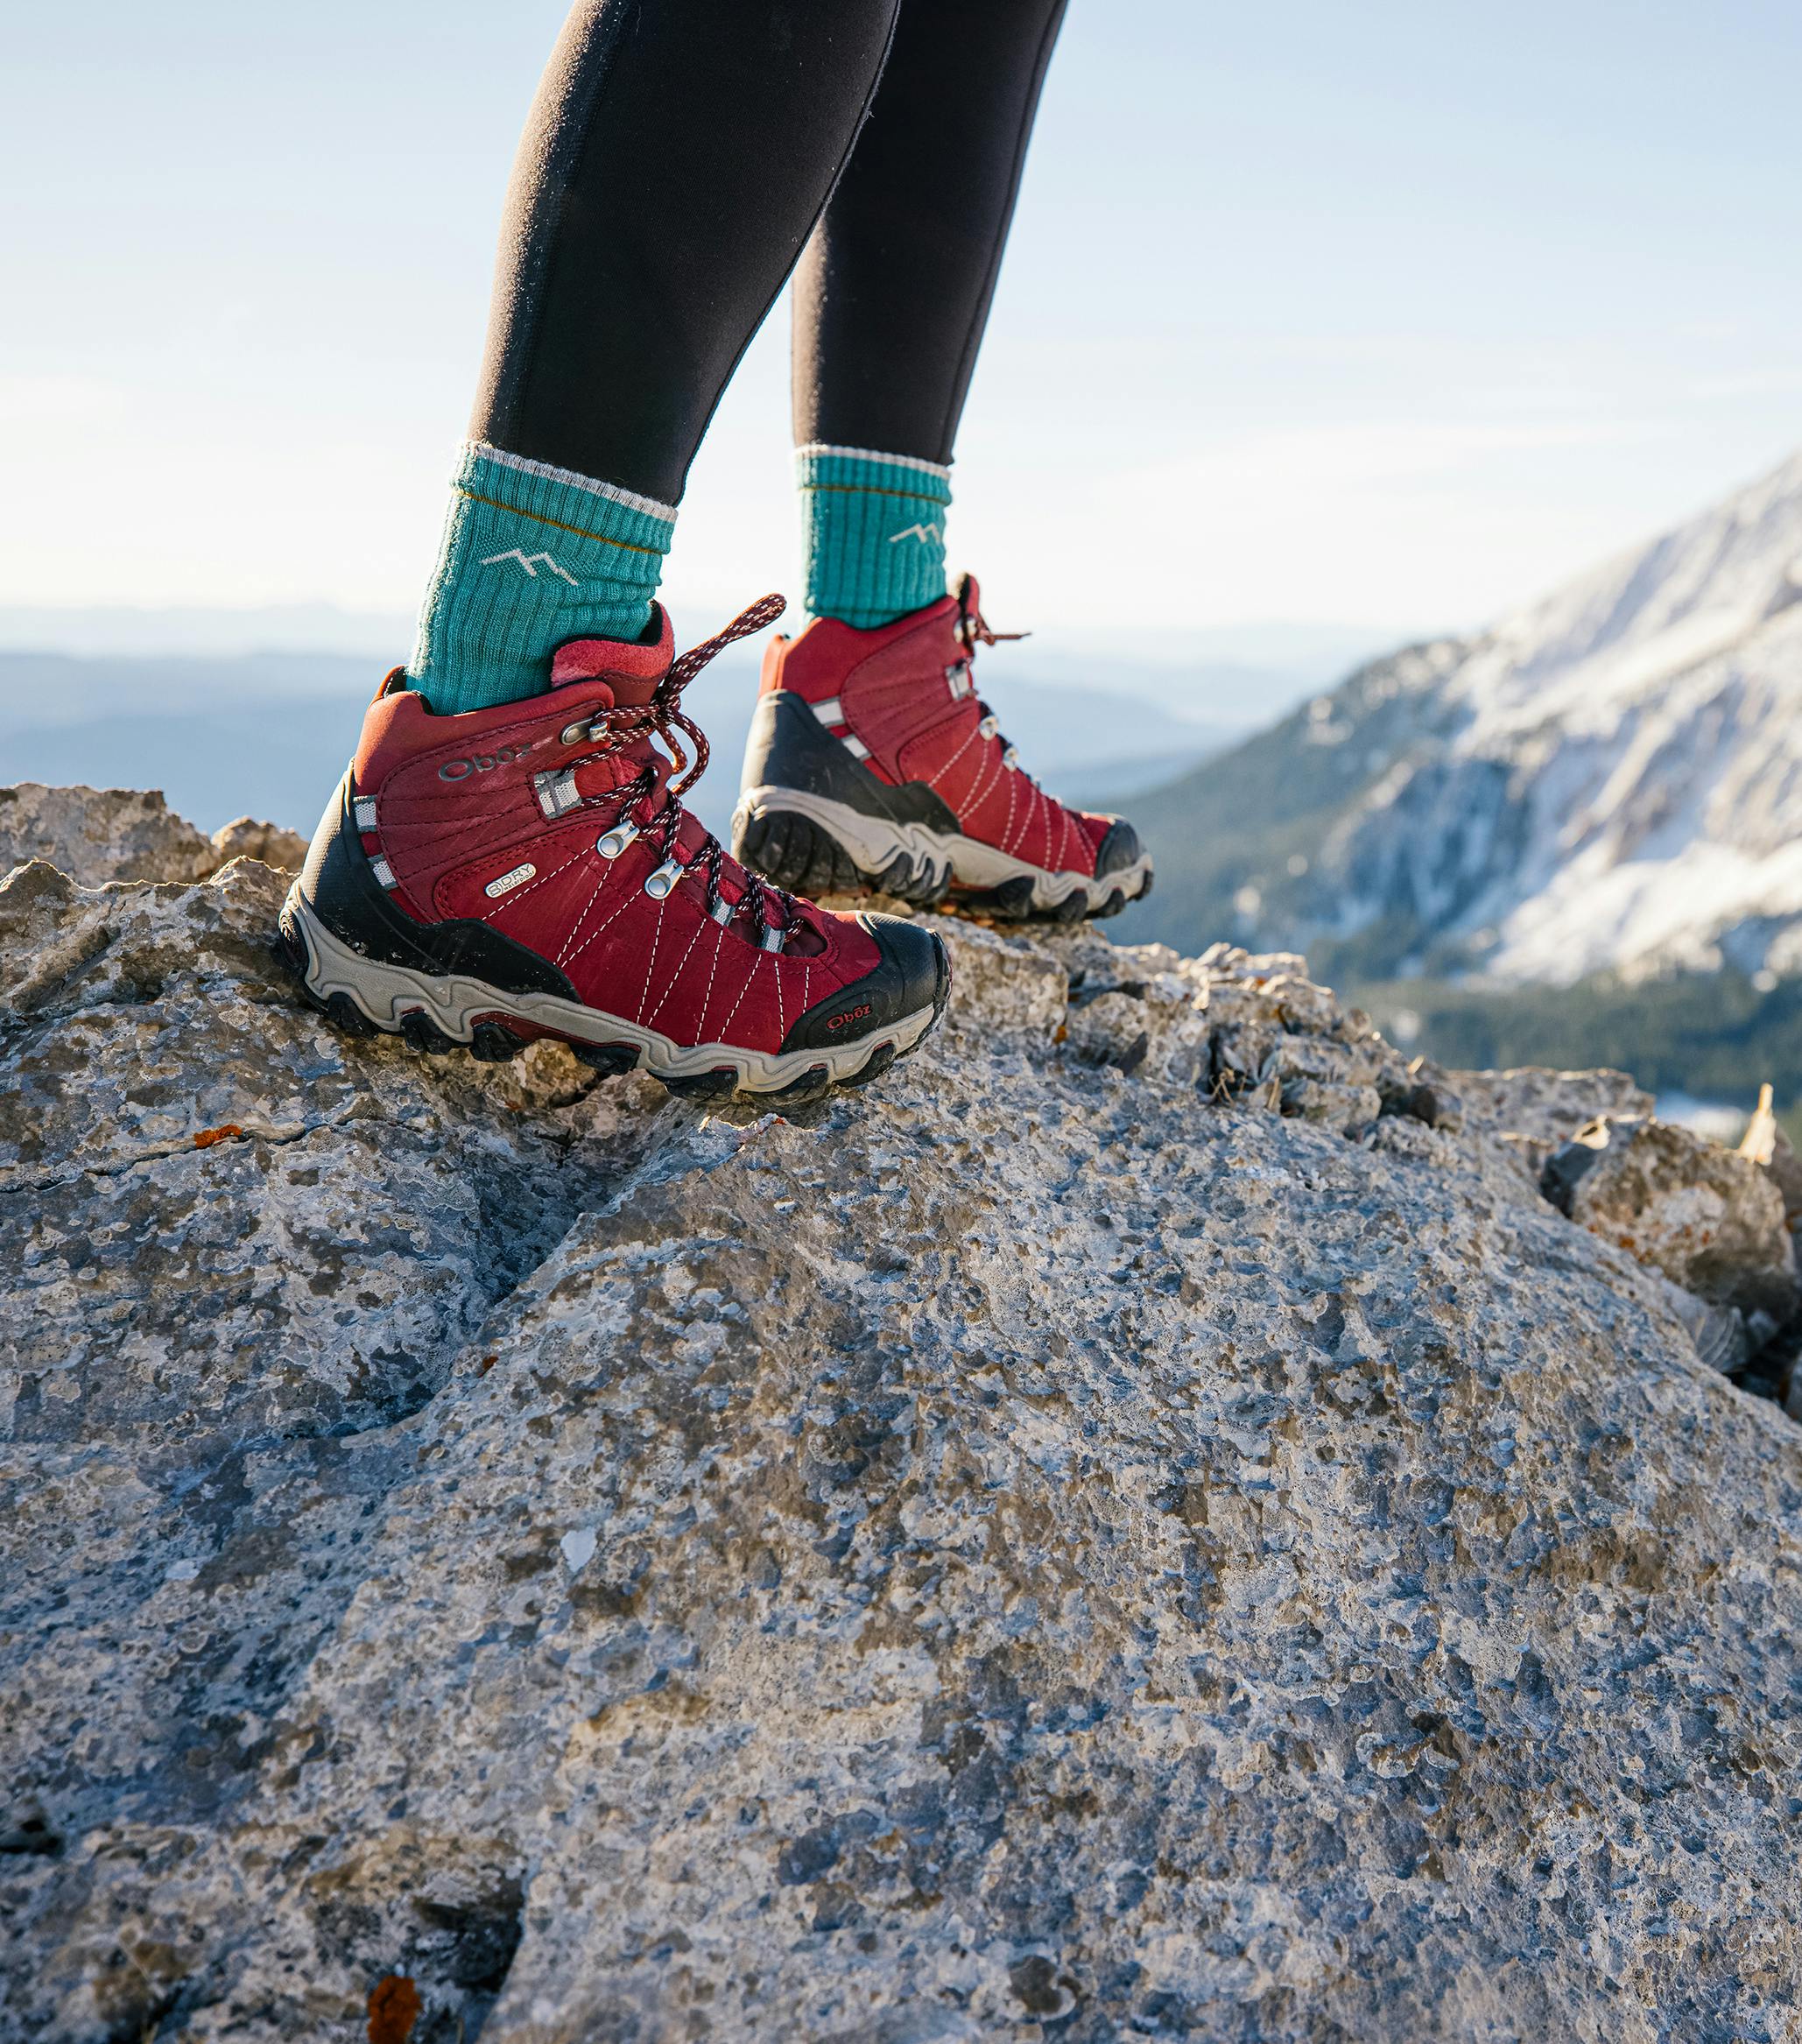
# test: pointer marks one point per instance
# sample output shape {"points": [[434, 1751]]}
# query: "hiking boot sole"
{"points": [[812, 844], [363, 996]]}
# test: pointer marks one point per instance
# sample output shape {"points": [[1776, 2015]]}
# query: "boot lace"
{"points": [[974, 630], [626, 725]]}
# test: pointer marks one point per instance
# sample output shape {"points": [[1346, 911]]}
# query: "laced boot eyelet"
{"points": [[988, 727], [663, 881], [615, 840]]}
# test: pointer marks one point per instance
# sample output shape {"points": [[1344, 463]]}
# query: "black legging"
{"points": [[678, 155]]}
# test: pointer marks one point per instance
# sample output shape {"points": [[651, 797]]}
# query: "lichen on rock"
{"points": [[1144, 1523]]}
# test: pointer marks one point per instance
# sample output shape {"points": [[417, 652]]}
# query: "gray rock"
{"points": [[95, 835], [1549, 1106], [1041, 1548], [247, 838], [122, 833], [1719, 1332], [1710, 1219]]}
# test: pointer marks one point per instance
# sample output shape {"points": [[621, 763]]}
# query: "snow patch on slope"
{"points": [[1622, 786]]}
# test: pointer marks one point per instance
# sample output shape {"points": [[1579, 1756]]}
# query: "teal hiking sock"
{"points": [[873, 532], [533, 557]]}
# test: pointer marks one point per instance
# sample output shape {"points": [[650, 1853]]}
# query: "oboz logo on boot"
{"points": [[486, 762], [850, 1015]]}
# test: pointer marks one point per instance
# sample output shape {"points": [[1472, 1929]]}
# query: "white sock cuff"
{"points": [[612, 491], [820, 447]]}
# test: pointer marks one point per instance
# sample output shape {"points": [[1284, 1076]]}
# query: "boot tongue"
{"points": [[625, 673], [631, 668]]}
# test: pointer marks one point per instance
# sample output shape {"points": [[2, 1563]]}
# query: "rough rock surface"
{"points": [[122, 834], [1146, 1524], [246, 838], [1550, 1107], [1711, 1219]]}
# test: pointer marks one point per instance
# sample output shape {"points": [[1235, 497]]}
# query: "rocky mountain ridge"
{"points": [[1150, 1522], [1609, 781]]}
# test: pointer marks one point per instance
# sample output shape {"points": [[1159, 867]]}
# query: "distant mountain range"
{"points": [[1608, 781], [225, 631], [1231, 675], [269, 732], [257, 708]]}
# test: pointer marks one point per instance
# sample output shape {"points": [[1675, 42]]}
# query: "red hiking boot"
{"points": [[872, 762], [527, 871]]}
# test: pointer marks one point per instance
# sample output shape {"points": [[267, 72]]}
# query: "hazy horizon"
{"points": [[1385, 321], [1322, 651]]}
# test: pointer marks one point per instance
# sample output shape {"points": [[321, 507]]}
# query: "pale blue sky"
{"points": [[1390, 313]]}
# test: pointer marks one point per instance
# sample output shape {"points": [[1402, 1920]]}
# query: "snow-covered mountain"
{"points": [[1612, 779]]}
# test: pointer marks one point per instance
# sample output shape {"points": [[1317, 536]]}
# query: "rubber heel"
{"points": [[802, 856]]}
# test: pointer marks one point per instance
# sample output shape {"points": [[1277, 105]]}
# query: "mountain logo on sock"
{"points": [[532, 563], [928, 535]]}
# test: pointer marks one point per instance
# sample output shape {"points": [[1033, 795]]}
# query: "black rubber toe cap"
{"points": [[914, 972], [1118, 849]]}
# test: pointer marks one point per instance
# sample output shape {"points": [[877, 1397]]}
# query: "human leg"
{"points": [[508, 857], [677, 155], [872, 762]]}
